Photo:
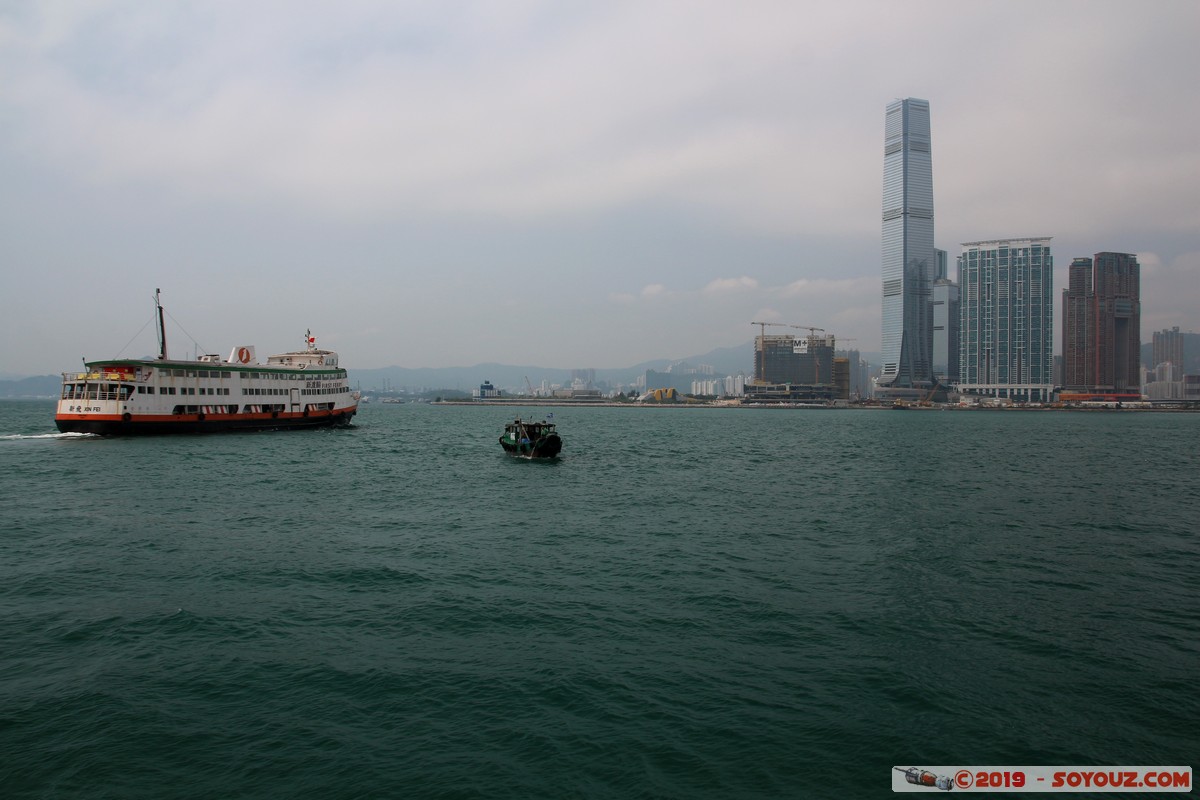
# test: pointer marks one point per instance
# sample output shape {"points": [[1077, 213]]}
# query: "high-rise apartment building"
{"points": [[1077, 326], [909, 261], [1006, 344], [1167, 346], [945, 329], [1102, 314]]}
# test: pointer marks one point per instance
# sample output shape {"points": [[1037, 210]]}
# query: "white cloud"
{"points": [[829, 287], [725, 285]]}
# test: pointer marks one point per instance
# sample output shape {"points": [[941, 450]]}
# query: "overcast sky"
{"points": [[573, 184]]}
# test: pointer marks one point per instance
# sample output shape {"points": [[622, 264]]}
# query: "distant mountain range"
{"points": [[723, 360]]}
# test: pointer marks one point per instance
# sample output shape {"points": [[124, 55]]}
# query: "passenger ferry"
{"points": [[300, 389]]}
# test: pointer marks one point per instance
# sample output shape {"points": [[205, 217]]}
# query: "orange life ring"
{"points": [[244, 355]]}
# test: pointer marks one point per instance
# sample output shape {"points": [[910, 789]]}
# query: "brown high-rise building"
{"points": [[1077, 298], [1102, 314]]}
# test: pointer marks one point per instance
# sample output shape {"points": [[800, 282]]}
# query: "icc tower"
{"points": [[909, 263]]}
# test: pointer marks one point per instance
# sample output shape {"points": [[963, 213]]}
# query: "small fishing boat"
{"points": [[531, 439]]}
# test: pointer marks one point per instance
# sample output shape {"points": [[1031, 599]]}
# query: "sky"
{"points": [[570, 184]]}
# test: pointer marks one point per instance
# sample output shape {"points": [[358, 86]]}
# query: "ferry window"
{"points": [[191, 373], [202, 373], [226, 374]]}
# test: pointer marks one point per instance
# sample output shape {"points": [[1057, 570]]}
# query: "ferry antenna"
{"points": [[162, 327]]}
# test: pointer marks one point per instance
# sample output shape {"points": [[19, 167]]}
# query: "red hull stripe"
{"points": [[265, 416]]}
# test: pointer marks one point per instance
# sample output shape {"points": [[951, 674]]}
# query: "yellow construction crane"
{"points": [[812, 331], [928, 399]]}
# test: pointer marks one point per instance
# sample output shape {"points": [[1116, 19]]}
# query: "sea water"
{"points": [[689, 602]]}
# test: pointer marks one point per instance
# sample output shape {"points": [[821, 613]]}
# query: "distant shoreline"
{"points": [[792, 407]]}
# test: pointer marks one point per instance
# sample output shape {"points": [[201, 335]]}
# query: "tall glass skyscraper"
{"points": [[909, 262]]}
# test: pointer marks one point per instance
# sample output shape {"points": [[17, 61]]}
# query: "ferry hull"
{"points": [[148, 425]]}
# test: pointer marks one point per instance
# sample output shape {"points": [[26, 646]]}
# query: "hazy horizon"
{"points": [[532, 182]]}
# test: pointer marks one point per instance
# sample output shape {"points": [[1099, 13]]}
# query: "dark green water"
{"points": [[691, 603]]}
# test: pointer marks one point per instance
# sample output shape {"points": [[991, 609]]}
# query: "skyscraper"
{"points": [[1168, 346], [1117, 281], [1006, 343], [909, 262], [945, 329], [1102, 315], [1076, 329]]}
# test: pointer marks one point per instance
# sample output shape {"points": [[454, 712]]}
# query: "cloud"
{"points": [[654, 290], [829, 287], [408, 110], [724, 285]]}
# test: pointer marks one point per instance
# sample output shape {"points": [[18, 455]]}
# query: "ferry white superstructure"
{"points": [[301, 389]]}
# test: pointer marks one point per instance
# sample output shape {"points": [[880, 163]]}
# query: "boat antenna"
{"points": [[162, 328]]}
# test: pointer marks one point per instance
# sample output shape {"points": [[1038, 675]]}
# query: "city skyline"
{"points": [[426, 188]]}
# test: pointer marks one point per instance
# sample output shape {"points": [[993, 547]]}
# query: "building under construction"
{"points": [[797, 369]]}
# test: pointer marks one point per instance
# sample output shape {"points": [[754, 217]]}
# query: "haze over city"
{"points": [[581, 185]]}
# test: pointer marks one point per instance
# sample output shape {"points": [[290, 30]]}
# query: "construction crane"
{"points": [[812, 331], [529, 386], [764, 325], [928, 399]]}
